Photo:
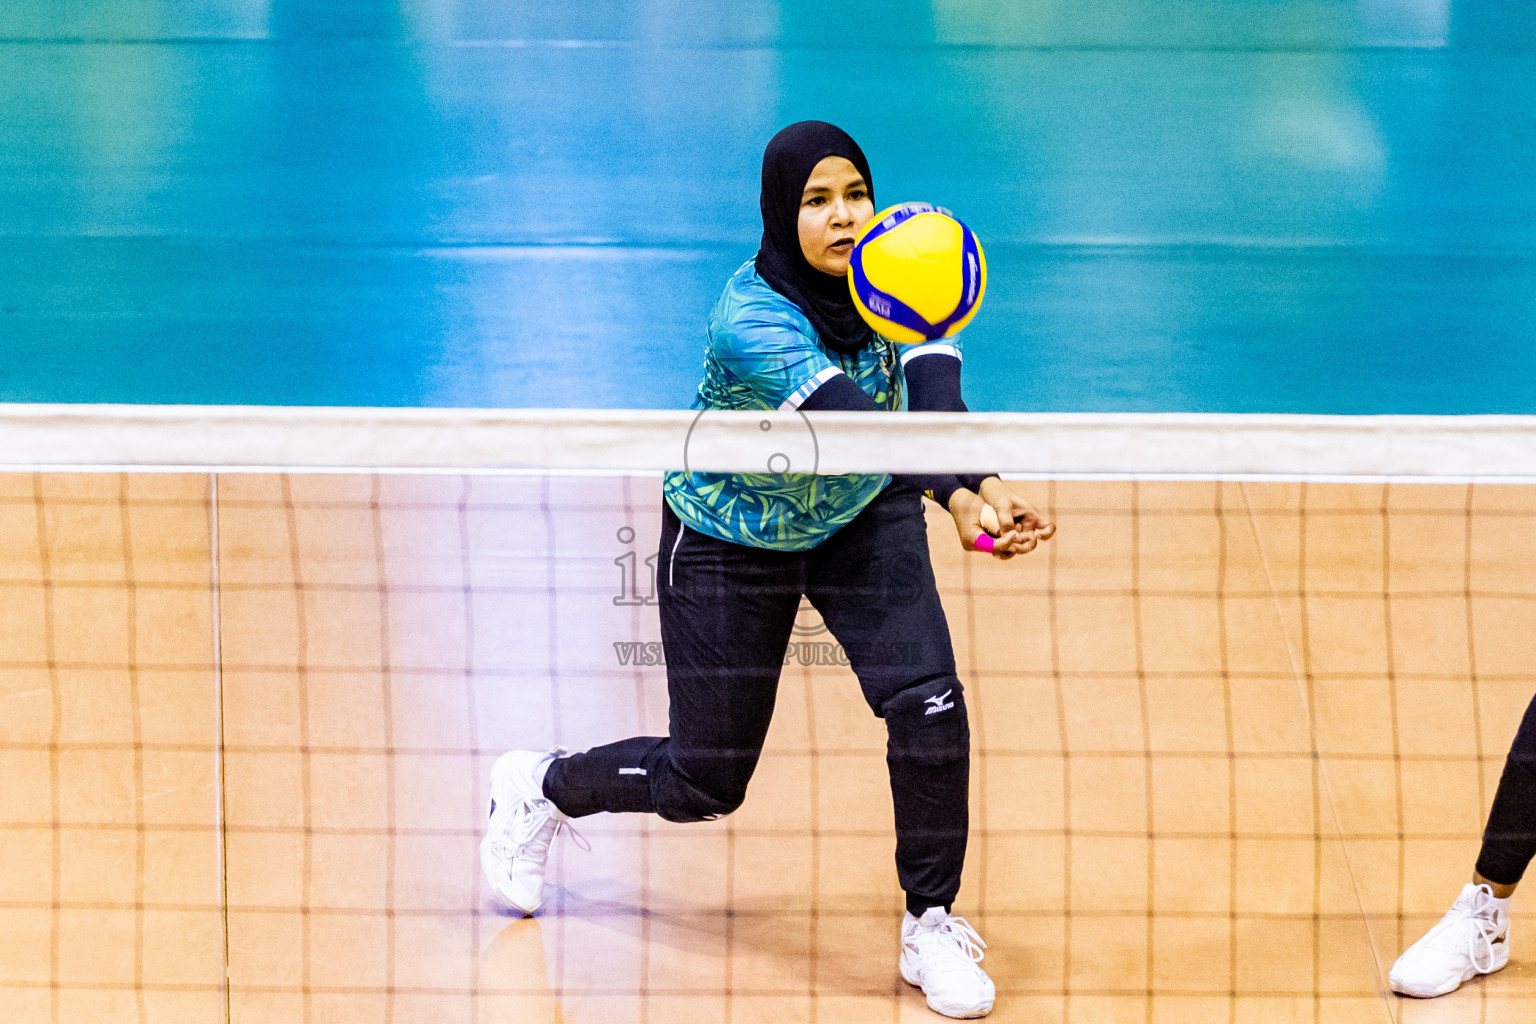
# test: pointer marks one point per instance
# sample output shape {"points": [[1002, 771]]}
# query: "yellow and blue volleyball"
{"points": [[916, 273]]}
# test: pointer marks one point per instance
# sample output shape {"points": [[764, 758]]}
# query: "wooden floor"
{"points": [[1233, 748]]}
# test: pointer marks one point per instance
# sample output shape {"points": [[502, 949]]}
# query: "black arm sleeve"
{"points": [[933, 385], [839, 394], [842, 394]]}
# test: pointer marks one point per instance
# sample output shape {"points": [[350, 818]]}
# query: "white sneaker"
{"points": [[523, 825], [1471, 939], [941, 955]]}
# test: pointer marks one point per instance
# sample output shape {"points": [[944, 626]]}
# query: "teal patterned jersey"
{"points": [[762, 353]]}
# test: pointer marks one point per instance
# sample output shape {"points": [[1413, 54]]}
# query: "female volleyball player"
{"points": [[738, 551], [1473, 937]]}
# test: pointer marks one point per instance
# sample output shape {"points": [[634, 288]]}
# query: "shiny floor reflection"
{"points": [[1233, 745], [1266, 206]]}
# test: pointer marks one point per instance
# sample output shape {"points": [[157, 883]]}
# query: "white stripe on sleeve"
{"points": [[805, 390], [929, 348]]}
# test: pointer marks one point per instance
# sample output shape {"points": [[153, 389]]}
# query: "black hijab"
{"points": [[787, 163]]}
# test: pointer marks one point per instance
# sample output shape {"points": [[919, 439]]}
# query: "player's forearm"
{"points": [[841, 394], [933, 385]]}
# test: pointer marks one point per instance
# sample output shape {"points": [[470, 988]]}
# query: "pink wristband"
{"points": [[985, 543]]}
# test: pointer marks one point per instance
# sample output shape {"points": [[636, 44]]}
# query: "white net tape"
{"points": [[630, 441]]}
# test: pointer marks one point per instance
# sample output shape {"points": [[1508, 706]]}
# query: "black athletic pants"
{"points": [[1509, 841], [726, 616]]}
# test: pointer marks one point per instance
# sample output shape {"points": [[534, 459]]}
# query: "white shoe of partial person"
{"points": [[523, 825], [1471, 939], [941, 955]]}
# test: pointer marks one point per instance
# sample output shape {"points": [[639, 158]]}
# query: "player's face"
{"points": [[833, 207]]}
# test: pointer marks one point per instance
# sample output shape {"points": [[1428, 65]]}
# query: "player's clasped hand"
{"points": [[1012, 524]]}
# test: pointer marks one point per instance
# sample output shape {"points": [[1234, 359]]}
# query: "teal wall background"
{"points": [[1290, 206]]}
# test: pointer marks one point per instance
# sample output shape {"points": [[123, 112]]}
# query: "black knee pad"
{"points": [[927, 724]]}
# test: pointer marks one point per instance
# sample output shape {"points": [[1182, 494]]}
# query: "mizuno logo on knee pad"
{"points": [[938, 703], [631, 771]]}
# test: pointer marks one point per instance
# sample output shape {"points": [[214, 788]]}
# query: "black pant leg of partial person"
{"points": [[873, 584], [1509, 841], [726, 615]]}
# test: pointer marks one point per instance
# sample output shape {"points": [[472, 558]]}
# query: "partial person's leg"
{"points": [[873, 584], [1473, 937], [1509, 841], [726, 615]]}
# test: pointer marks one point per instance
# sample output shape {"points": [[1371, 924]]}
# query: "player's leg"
{"points": [[726, 615], [1473, 937], [874, 586], [1509, 841], [727, 611]]}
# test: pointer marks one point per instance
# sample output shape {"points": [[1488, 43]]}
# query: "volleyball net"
{"points": [[1235, 726], [641, 441]]}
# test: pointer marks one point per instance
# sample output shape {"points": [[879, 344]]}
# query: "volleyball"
{"points": [[916, 273]]}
